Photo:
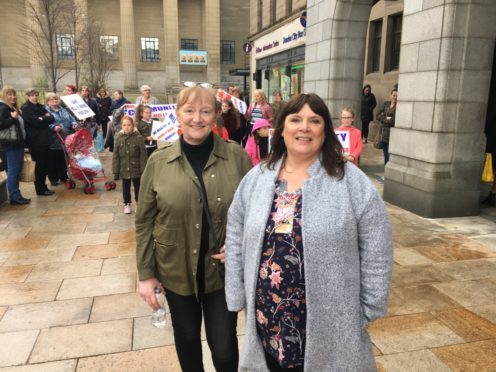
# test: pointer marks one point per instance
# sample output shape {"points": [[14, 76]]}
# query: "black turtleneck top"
{"points": [[197, 156]]}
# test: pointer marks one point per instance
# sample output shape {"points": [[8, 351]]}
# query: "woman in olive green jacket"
{"points": [[177, 248]]}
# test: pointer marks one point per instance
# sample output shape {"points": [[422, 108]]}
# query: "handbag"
{"points": [[10, 136], [488, 172], [378, 139], [27, 172]]}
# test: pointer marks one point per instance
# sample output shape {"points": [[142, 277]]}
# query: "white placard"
{"points": [[167, 130], [239, 104], [77, 105], [344, 138]]}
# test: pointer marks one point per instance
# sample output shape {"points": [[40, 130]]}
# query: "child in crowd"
{"points": [[218, 128], [257, 146], [355, 135], [129, 160], [144, 123]]}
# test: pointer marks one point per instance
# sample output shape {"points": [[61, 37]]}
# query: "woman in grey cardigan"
{"points": [[307, 256]]}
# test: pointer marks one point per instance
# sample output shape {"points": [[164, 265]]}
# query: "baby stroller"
{"points": [[83, 162]]}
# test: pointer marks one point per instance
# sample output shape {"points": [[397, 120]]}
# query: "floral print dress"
{"points": [[280, 295]]}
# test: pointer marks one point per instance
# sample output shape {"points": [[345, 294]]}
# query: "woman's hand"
{"points": [[14, 114], [146, 290], [221, 256], [149, 138]]}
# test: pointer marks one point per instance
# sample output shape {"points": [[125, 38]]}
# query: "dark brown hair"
{"points": [[331, 152]]}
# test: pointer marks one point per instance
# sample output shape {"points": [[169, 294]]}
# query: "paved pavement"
{"points": [[68, 282]]}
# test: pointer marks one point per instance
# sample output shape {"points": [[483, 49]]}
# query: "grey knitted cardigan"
{"points": [[346, 236]]}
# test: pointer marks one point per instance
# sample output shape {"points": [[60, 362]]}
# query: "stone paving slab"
{"points": [[97, 286], [477, 356], [146, 336], [82, 340], [60, 366], [40, 256], [15, 347], [75, 240], [119, 306], [64, 270], [414, 361], [469, 269], [48, 229], [91, 252], [46, 314], [69, 211], [486, 311], [470, 292], [118, 265], [14, 274], [23, 244], [22, 293], [88, 218]]}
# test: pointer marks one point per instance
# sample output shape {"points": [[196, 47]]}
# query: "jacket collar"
{"points": [[218, 150]]}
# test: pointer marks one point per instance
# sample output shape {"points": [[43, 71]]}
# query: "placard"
{"points": [[77, 105], [344, 137], [166, 130]]}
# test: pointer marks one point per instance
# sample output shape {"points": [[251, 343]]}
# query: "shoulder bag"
{"points": [[10, 136]]}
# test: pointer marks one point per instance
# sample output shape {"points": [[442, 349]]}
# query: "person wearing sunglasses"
{"points": [[186, 190]]}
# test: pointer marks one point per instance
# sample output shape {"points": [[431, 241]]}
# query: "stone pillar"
{"points": [[81, 42], [171, 29], [335, 51], [437, 146], [128, 45], [38, 76], [211, 37]]}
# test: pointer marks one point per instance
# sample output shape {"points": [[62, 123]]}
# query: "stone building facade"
{"points": [[148, 36]]}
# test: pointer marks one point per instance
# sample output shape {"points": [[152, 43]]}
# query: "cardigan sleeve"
{"points": [[234, 288]]}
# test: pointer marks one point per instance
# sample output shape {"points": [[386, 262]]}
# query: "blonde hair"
{"points": [[3, 94], [198, 94], [49, 96], [262, 95], [349, 109]]}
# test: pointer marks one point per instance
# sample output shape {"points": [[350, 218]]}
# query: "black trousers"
{"points": [[126, 189], [365, 128], [150, 150], [57, 168], [42, 158], [220, 327], [275, 367]]}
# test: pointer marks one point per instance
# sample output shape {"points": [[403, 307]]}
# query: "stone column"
{"points": [[335, 51], [171, 29], [128, 45], [437, 146], [211, 37], [38, 76], [81, 44]]}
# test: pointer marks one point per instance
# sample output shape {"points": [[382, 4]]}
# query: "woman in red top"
{"points": [[355, 135]]}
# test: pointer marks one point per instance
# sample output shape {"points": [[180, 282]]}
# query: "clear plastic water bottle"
{"points": [[158, 316]]}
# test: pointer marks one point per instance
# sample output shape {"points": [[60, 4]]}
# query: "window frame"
{"points": [[189, 44], [395, 23], [232, 52], [147, 40], [110, 42], [63, 46], [375, 44]]}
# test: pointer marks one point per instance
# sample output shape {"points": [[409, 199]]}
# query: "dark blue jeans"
{"points": [[126, 189], [15, 158], [385, 149], [220, 327]]}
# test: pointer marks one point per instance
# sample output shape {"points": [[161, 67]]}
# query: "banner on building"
{"points": [[77, 105], [344, 138], [193, 57]]}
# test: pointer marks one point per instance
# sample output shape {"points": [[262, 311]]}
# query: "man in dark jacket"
{"points": [[38, 137], [118, 100]]}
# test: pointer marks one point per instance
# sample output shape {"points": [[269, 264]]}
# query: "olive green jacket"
{"points": [[129, 155], [145, 130], [169, 215]]}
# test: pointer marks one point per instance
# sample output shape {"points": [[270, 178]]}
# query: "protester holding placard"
{"points": [[186, 190], [38, 137], [354, 134], [143, 118], [308, 258]]}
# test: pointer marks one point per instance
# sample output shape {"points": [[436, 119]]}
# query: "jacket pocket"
{"points": [[170, 257]]}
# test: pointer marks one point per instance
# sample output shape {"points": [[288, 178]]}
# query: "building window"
{"points": [[395, 46], [149, 49], [65, 46], [259, 15], [273, 10], [110, 44], [375, 55], [227, 51], [189, 44]]}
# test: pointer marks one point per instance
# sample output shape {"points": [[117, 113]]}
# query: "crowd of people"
{"points": [[255, 212]]}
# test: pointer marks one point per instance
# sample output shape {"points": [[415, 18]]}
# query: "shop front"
{"points": [[278, 61]]}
